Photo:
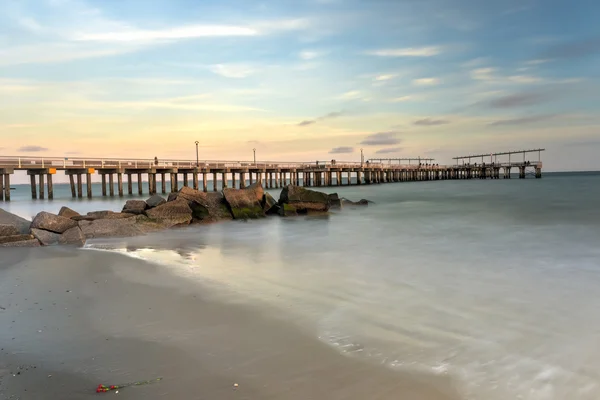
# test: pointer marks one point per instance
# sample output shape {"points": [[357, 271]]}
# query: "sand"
{"points": [[71, 319]]}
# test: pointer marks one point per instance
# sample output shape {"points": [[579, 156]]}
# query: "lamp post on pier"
{"points": [[254, 150], [362, 158], [197, 162]]}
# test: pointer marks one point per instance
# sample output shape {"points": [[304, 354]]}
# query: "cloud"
{"points": [[389, 150], [538, 61], [331, 115], [524, 79], [308, 55], [517, 100], [523, 120], [381, 139], [430, 122], [232, 70], [573, 49], [407, 52], [401, 99], [72, 152], [385, 77], [426, 81], [31, 149], [185, 32], [341, 150], [483, 74], [351, 95]]}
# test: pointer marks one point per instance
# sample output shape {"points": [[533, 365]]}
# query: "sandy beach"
{"points": [[71, 319]]}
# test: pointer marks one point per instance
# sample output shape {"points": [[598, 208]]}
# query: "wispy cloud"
{"points": [[538, 61], [389, 150], [407, 52], [232, 70], [401, 99], [573, 49], [426, 81], [524, 79], [385, 77], [31, 149], [351, 95], [518, 100], [309, 55], [381, 139], [187, 32], [430, 122], [341, 150], [523, 120], [330, 115]]}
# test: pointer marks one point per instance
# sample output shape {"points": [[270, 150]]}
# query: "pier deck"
{"points": [[271, 174]]}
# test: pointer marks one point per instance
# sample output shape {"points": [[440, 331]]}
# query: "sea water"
{"points": [[492, 283]]}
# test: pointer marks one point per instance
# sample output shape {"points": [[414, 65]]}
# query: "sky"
{"points": [[301, 80]]}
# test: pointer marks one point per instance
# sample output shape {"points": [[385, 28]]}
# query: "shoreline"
{"points": [[101, 321]]}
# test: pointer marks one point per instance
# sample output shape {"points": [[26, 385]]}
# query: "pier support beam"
{"points": [[185, 179], [224, 180], [79, 186], [195, 179], [33, 188], [242, 180], [5, 184], [111, 185], [163, 183], [120, 183], [41, 178], [88, 183], [129, 185], [204, 183], [214, 180], [50, 186], [233, 180]]}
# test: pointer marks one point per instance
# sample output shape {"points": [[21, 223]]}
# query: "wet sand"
{"points": [[71, 319]]}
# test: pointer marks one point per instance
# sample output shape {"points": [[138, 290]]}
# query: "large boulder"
{"points": [[8, 230], [208, 207], [269, 204], [52, 222], [287, 210], [73, 236], [94, 215], [244, 203], [304, 200], [68, 213], [21, 224], [256, 190], [155, 201], [118, 227], [46, 238], [173, 213], [135, 207], [19, 241], [360, 203], [335, 201]]}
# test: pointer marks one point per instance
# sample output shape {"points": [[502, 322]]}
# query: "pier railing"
{"points": [[75, 162]]}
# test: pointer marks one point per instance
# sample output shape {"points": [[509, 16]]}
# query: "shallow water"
{"points": [[493, 283]]}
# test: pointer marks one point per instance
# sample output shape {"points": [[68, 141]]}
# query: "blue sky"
{"points": [[300, 80]]}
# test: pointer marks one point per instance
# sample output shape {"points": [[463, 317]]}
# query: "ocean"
{"points": [[492, 283]]}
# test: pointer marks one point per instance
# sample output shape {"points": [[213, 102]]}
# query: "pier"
{"points": [[272, 175]]}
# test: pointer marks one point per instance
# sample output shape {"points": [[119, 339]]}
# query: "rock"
{"points": [[155, 201], [72, 236], [94, 215], [287, 210], [244, 203], [361, 203], [135, 206], [19, 241], [46, 238], [335, 201], [68, 213], [173, 213], [21, 224], [52, 222], [207, 207], [257, 190], [269, 204], [118, 227], [304, 200], [8, 230]]}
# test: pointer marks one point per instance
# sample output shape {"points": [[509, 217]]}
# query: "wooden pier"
{"points": [[270, 174]]}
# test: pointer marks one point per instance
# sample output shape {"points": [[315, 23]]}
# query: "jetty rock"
{"points": [[73, 236], [46, 238], [135, 207], [155, 201], [20, 224], [95, 215], [245, 203], [335, 201], [67, 212], [304, 200], [52, 222], [206, 207], [360, 203], [135, 225], [8, 230], [19, 241], [269, 204], [173, 213]]}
